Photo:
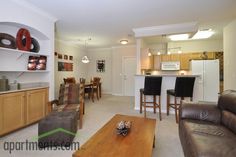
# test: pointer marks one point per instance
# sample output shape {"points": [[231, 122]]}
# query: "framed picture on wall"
{"points": [[100, 65], [59, 56], [71, 58], [66, 57], [64, 66]]}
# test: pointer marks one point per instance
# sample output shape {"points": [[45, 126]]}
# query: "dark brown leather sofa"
{"points": [[209, 130]]}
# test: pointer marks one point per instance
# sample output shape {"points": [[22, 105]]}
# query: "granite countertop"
{"points": [[28, 86]]}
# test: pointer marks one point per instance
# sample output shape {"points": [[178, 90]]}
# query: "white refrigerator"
{"points": [[208, 80]]}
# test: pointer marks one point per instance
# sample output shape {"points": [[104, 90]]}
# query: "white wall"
{"points": [[198, 45], [23, 13], [112, 77], [79, 68], [191, 46], [106, 77], [230, 56], [117, 54]]}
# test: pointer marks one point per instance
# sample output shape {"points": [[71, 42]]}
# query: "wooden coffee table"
{"points": [[139, 142]]}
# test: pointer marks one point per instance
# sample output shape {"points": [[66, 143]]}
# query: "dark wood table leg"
{"points": [[100, 90]]}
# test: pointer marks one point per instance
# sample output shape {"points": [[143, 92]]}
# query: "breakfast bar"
{"points": [[168, 82]]}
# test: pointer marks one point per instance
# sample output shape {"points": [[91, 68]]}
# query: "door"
{"points": [[129, 71]]}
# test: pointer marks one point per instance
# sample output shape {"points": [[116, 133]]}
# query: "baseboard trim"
{"points": [[116, 94], [107, 93]]}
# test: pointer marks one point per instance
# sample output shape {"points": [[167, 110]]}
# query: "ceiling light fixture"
{"points": [[179, 52], [203, 34], [124, 42], [85, 58], [149, 54], [178, 37]]}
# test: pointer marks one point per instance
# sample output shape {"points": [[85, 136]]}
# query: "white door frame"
{"points": [[123, 71]]}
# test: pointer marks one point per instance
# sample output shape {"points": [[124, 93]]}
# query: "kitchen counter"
{"points": [[28, 86], [170, 75], [168, 82]]}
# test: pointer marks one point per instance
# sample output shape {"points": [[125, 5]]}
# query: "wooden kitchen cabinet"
{"points": [[12, 111], [20, 108], [211, 55], [185, 61], [157, 62], [146, 61], [36, 105], [165, 58], [196, 56], [174, 57]]}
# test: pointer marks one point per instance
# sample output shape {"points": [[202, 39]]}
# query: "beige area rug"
{"points": [[96, 115]]}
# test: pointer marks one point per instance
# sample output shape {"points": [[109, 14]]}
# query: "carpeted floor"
{"points": [[96, 115]]}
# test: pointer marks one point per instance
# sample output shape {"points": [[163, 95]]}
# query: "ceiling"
{"points": [[109, 21]]}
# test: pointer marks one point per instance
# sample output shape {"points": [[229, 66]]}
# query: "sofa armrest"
{"points": [[200, 111]]}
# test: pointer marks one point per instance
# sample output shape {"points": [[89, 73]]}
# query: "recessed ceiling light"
{"points": [[203, 34], [124, 42], [179, 37]]}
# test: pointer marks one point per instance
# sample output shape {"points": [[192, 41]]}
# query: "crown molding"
{"points": [[166, 29]]}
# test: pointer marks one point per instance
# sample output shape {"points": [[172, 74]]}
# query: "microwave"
{"points": [[168, 66]]}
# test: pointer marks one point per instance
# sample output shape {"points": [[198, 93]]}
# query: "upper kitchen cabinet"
{"points": [[165, 58], [211, 55], [196, 56], [157, 62], [174, 57], [146, 61], [185, 61]]}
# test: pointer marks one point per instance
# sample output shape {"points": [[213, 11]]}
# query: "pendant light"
{"points": [[85, 59]]}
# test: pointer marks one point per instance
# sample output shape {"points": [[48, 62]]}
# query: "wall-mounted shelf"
{"points": [[7, 50], [14, 62]]}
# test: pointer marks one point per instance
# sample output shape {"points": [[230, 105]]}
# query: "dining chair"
{"points": [[69, 80], [98, 79], [95, 88]]}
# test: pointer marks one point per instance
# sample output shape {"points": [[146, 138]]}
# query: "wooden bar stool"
{"points": [[183, 88], [152, 87]]}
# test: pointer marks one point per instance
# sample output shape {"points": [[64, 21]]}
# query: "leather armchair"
{"points": [[209, 130]]}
